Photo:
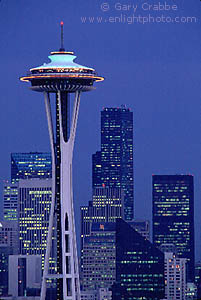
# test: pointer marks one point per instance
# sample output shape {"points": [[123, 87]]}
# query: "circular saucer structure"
{"points": [[67, 80], [62, 74]]}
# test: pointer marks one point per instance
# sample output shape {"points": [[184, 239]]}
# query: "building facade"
{"points": [[106, 206], [5, 252], [10, 201], [139, 266], [9, 235], [34, 207], [175, 277], [24, 274], [117, 257], [30, 165], [112, 167], [173, 215], [98, 257]]}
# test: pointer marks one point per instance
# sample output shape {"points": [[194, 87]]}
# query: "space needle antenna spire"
{"points": [[62, 37]]}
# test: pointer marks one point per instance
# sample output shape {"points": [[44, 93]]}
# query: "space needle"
{"points": [[67, 80]]}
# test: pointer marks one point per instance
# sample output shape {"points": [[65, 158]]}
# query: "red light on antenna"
{"points": [[62, 23]]}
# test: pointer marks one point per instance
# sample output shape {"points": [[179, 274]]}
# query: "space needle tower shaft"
{"points": [[64, 78]]}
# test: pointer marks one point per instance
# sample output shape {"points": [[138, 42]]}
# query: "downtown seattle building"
{"points": [[34, 209], [117, 258], [175, 273], [173, 216], [112, 167], [62, 78], [106, 206], [30, 165], [8, 246], [24, 166], [10, 201]]}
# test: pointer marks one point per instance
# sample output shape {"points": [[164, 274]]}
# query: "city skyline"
{"points": [[161, 63]]}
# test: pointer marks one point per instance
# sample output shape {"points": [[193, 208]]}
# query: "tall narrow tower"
{"points": [[62, 76]]}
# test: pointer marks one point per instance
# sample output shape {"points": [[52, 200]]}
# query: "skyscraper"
{"points": [[34, 209], [24, 166], [113, 165], [173, 215], [98, 260], [106, 206], [139, 266], [30, 165], [62, 77]]}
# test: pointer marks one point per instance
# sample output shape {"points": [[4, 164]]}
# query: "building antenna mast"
{"points": [[62, 37]]}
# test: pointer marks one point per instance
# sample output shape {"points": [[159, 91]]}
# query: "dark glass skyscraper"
{"points": [[115, 253], [113, 165], [30, 165], [173, 215], [139, 266]]}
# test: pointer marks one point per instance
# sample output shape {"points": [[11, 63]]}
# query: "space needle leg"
{"points": [[51, 217], [72, 138], [71, 288]]}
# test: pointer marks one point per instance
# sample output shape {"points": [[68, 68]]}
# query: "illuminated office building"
{"points": [[24, 166], [175, 274], [98, 262], [106, 206], [34, 208], [10, 201], [112, 167], [30, 165], [173, 215], [198, 278]]}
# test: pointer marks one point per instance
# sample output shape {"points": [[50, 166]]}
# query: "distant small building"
{"points": [[104, 294], [175, 274], [88, 295], [191, 291], [9, 235], [198, 278], [99, 294], [5, 251], [24, 274]]}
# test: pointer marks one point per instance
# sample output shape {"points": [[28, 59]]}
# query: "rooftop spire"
{"points": [[62, 37]]}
